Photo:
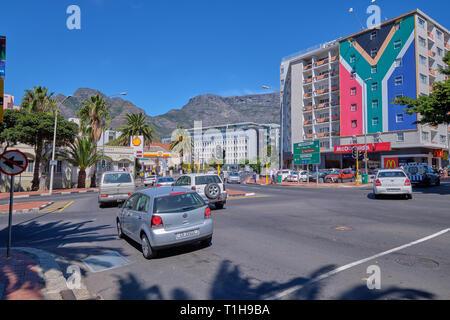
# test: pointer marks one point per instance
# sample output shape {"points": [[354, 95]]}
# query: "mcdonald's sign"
{"points": [[390, 163]]}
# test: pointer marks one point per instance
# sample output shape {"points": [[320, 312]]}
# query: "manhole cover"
{"points": [[411, 261], [105, 262], [343, 228]]}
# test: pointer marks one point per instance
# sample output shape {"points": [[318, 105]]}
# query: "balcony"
{"points": [[321, 105], [308, 80], [431, 88], [447, 46], [308, 136], [307, 108], [335, 133], [334, 58], [323, 134], [335, 103], [334, 88], [307, 122], [321, 62], [307, 67], [335, 118], [334, 73], [430, 35], [322, 77], [322, 120], [431, 53], [432, 71], [307, 95], [321, 91]]}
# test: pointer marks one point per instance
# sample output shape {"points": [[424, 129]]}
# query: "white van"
{"points": [[115, 187]]}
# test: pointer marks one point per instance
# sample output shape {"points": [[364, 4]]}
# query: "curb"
{"points": [[242, 195], [48, 195], [55, 284], [25, 211]]}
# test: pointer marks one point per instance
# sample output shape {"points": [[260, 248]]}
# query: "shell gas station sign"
{"points": [[137, 143]]}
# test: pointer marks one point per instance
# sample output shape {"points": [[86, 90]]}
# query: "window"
{"points": [[375, 121], [443, 139], [400, 136], [354, 123], [398, 81], [423, 78], [352, 58], [373, 52], [425, 136], [354, 107], [374, 69], [422, 42], [397, 44], [30, 167], [374, 104], [399, 117], [439, 34], [439, 52], [353, 75], [142, 203], [353, 91], [421, 23], [58, 168], [397, 26], [398, 62], [374, 86], [373, 35], [117, 178], [178, 203], [423, 60]]}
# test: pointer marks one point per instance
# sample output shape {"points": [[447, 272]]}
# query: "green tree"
{"points": [[36, 129], [135, 126], [38, 100], [94, 116], [81, 154], [182, 143], [433, 109]]}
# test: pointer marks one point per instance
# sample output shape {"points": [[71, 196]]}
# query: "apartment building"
{"points": [[354, 103]]}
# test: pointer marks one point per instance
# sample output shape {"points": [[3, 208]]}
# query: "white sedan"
{"points": [[392, 182]]}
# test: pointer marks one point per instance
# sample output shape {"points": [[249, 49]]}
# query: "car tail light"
{"points": [[159, 185], [193, 188], [207, 213], [407, 183], [378, 183], [104, 196], [129, 194], [156, 222]]}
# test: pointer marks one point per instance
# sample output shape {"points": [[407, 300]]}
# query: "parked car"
{"points": [[165, 217], [284, 174], [322, 174], [340, 176], [393, 182], [293, 177], [303, 177], [164, 182], [209, 186], [150, 180], [422, 174], [115, 187], [234, 177]]}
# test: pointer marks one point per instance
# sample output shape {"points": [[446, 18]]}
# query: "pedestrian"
{"points": [[273, 176], [254, 176]]}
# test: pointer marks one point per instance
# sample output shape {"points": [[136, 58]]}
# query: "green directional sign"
{"points": [[307, 153]]}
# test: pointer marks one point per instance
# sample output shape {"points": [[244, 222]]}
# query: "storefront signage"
{"points": [[390, 163], [437, 153], [370, 147]]}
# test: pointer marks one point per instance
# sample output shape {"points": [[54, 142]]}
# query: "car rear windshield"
{"points": [[391, 174], [117, 178], [207, 180], [234, 174], [180, 202], [166, 180]]}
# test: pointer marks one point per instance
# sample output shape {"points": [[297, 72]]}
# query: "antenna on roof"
{"points": [[351, 10]]}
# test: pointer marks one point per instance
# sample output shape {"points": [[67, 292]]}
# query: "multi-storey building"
{"points": [[400, 58]]}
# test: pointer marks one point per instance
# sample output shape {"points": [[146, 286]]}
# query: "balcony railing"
{"points": [[335, 118], [431, 53], [432, 71], [307, 108], [334, 103], [307, 95], [321, 91], [447, 46], [323, 120], [309, 136], [323, 134], [321, 62], [307, 122], [431, 88], [430, 35], [334, 88], [322, 76], [307, 67], [321, 105], [334, 73], [334, 58], [308, 80], [335, 133]]}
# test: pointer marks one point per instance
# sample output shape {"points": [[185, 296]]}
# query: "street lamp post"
{"points": [[52, 165], [103, 128], [281, 127]]}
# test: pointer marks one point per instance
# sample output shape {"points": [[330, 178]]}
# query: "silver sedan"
{"points": [[392, 182]]}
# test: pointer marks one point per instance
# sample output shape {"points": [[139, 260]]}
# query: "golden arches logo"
{"points": [[391, 163], [136, 141]]}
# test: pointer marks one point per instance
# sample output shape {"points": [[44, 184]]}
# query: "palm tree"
{"points": [[82, 154], [94, 115], [182, 143], [38, 99], [135, 126]]}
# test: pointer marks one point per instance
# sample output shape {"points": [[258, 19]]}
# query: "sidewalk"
{"points": [[20, 195], [25, 207]]}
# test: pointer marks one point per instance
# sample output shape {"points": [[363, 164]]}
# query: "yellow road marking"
{"points": [[249, 197], [56, 207]]}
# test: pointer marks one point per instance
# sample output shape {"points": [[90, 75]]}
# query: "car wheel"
{"points": [[219, 205], [212, 191], [119, 229], [408, 196], [376, 196], [101, 205], [147, 250], [206, 242]]}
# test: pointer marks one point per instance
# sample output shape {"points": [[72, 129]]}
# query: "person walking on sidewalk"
{"points": [[254, 176], [274, 181]]}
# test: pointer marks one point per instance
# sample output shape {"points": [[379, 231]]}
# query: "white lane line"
{"points": [[353, 264]]}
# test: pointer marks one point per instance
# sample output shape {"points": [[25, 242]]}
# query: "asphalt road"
{"points": [[292, 243]]}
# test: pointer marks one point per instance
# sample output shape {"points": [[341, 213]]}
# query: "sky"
{"points": [[163, 52]]}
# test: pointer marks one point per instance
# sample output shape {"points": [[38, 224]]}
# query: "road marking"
{"points": [[353, 264], [62, 209], [56, 207]]}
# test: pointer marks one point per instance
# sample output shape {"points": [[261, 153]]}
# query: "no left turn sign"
{"points": [[13, 162]]}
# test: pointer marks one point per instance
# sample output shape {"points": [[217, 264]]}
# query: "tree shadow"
{"points": [[230, 284]]}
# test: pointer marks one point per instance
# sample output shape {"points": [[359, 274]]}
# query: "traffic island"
{"points": [[62, 192], [235, 194], [25, 207]]}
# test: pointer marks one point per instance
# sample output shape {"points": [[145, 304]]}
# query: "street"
{"points": [[282, 243]]}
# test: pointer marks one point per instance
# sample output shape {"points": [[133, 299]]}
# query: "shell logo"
{"points": [[136, 141], [160, 153]]}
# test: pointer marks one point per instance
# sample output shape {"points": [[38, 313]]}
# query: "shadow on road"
{"points": [[230, 284]]}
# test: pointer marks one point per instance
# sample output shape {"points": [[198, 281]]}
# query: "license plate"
{"points": [[393, 190], [187, 234]]}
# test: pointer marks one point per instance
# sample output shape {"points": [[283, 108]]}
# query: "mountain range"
{"points": [[211, 109]]}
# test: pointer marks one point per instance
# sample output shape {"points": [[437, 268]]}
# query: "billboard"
{"points": [[137, 143]]}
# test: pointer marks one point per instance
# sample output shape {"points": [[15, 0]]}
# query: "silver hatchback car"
{"points": [[165, 217]]}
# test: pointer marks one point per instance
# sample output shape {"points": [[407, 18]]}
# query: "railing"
{"points": [[334, 73], [431, 88], [430, 35], [334, 88], [335, 118], [323, 134], [307, 95], [322, 76], [431, 53], [432, 71], [321, 91], [308, 136], [307, 67], [335, 133], [307, 108], [447, 46], [334, 58], [334, 103], [323, 120], [307, 122], [322, 105], [321, 62], [309, 80]]}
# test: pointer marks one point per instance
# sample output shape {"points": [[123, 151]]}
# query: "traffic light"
{"points": [[103, 163], [355, 153], [219, 154]]}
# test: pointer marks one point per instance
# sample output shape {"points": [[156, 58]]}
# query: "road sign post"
{"points": [[12, 163], [307, 153]]}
